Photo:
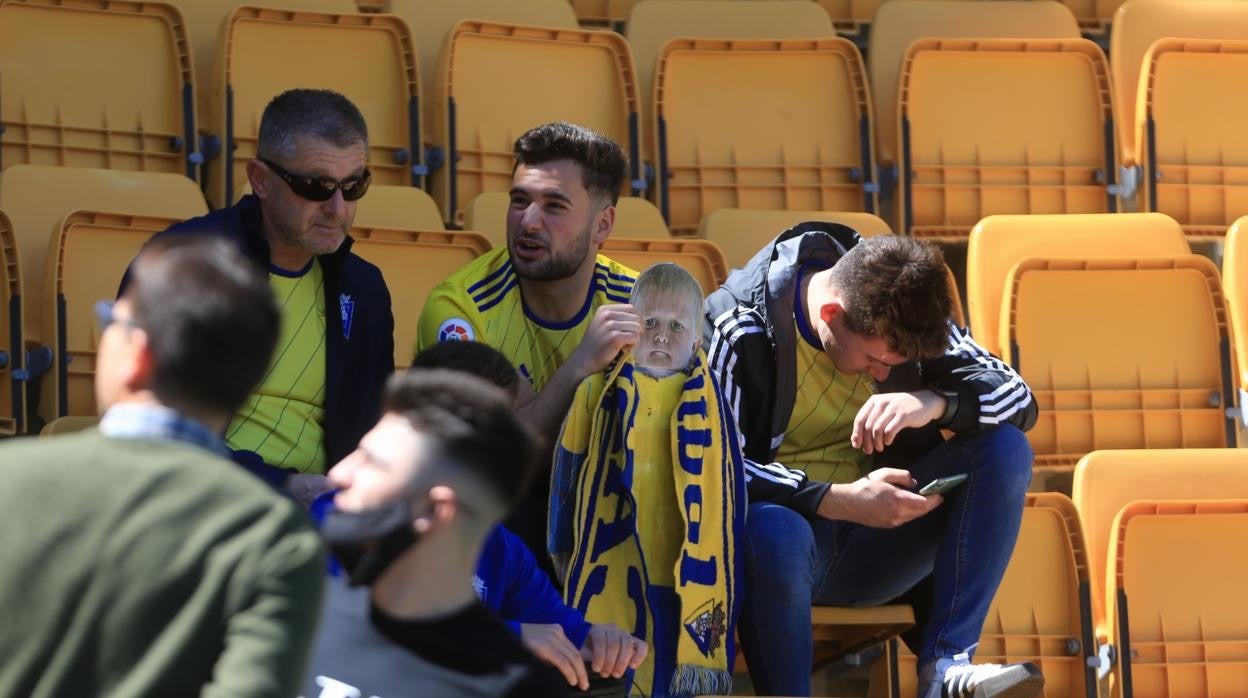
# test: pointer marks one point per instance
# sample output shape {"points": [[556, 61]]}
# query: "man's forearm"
{"points": [[544, 414]]}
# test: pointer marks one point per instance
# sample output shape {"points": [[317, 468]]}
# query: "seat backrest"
{"points": [[86, 261], [1139, 23], [1093, 15], [67, 425], [1107, 481], [653, 22], [37, 197], [1120, 353], [397, 207], [1181, 624], [204, 19], [634, 218], [602, 14], [700, 258], [90, 84], [997, 243], [412, 263], [317, 50], [1235, 284], [431, 22], [760, 123], [487, 96], [12, 391], [1188, 135], [1038, 142], [1038, 610], [741, 232], [900, 22]]}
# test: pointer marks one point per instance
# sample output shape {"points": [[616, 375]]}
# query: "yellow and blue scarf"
{"points": [[593, 530]]}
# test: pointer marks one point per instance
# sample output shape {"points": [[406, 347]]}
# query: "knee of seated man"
{"points": [[780, 539], [1004, 452]]}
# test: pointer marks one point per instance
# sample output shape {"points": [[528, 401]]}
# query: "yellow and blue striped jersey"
{"points": [[482, 302], [281, 420]]}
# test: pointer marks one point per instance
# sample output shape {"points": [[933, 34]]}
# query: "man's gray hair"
{"points": [[323, 115]]}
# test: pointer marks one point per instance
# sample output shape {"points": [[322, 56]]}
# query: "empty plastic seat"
{"points": [[12, 351], [204, 19], [1094, 16], [900, 22], [741, 232], [997, 243], [773, 124], [1139, 23], [604, 14], [91, 84], [1188, 134], [412, 263], [1120, 353], [1038, 142], [700, 258], [1107, 481], [499, 80], [634, 218], [1235, 283], [86, 261], [432, 20], [37, 197], [369, 58], [1181, 621], [397, 207]]}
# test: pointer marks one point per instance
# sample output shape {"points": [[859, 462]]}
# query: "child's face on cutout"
{"points": [[670, 333]]}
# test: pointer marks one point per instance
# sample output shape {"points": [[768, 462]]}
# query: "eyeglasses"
{"points": [[322, 188], [105, 314]]}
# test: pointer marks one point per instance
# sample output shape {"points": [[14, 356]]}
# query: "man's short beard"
{"points": [[558, 267]]}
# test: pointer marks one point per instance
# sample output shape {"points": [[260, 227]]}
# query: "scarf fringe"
{"points": [[693, 680]]}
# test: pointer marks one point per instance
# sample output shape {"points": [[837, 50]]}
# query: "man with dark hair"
{"points": [[549, 302], [140, 560], [842, 367], [416, 501], [336, 347]]}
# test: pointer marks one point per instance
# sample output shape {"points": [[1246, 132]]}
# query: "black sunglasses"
{"points": [[322, 188]]}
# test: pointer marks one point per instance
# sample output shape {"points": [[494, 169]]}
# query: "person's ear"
{"points": [[256, 175], [605, 224], [830, 310], [439, 511], [138, 366]]}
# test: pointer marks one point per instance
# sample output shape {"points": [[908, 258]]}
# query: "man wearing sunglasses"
{"points": [[335, 351]]}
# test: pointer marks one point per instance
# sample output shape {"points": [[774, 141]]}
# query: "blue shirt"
{"points": [[132, 420]]}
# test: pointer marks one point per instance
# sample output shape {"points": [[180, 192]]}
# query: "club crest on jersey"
{"points": [[707, 625], [346, 307], [455, 329]]}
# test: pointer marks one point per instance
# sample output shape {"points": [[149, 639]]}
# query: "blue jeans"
{"points": [[965, 544]]}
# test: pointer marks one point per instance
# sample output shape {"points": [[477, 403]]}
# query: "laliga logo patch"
{"points": [[707, 625], [346, 307], [455, 329]]}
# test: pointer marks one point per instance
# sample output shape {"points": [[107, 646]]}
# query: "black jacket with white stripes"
{"points": [[751, 346]]}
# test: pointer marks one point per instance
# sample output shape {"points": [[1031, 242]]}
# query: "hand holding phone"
{"points": [[942, 485]]}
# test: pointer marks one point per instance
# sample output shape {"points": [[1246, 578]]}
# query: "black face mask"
{"points": [[366, 543]]}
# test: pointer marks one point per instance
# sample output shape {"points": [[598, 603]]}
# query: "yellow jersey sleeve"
{"points": [[449, 315]]}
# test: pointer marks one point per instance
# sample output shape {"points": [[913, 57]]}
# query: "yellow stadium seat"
{"points": [[369, 58], [1235, 282], [412, 263], [1094, 16], [1139, 23], [1038, 142], [432, 20], [997, 243], [12, 349], [741, 232], [68, 425], [397, 207], [772, 124], [372, 5], [700, 258], [653, 22], [1120, 353], [900, 22], [86, 260], [634, 218], [496, 81], [203, 22], [840, 630], [1040, 609], [602, 14], [1106, 481], [1190, 142], [91, 84], [1181, 621]]}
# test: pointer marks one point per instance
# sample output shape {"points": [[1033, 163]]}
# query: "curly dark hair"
{"points": [[896, 288]]}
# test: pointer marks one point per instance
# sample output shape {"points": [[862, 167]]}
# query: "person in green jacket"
{"points": [[137, 559]]}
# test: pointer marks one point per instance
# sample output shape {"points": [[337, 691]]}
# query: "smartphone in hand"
{"points": [[942, 485]]}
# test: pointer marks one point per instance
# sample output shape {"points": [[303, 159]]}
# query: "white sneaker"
{"points": [[992, 681]]}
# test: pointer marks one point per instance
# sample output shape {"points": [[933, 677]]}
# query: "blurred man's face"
{"points": [[119, 356], [382, 467]]}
